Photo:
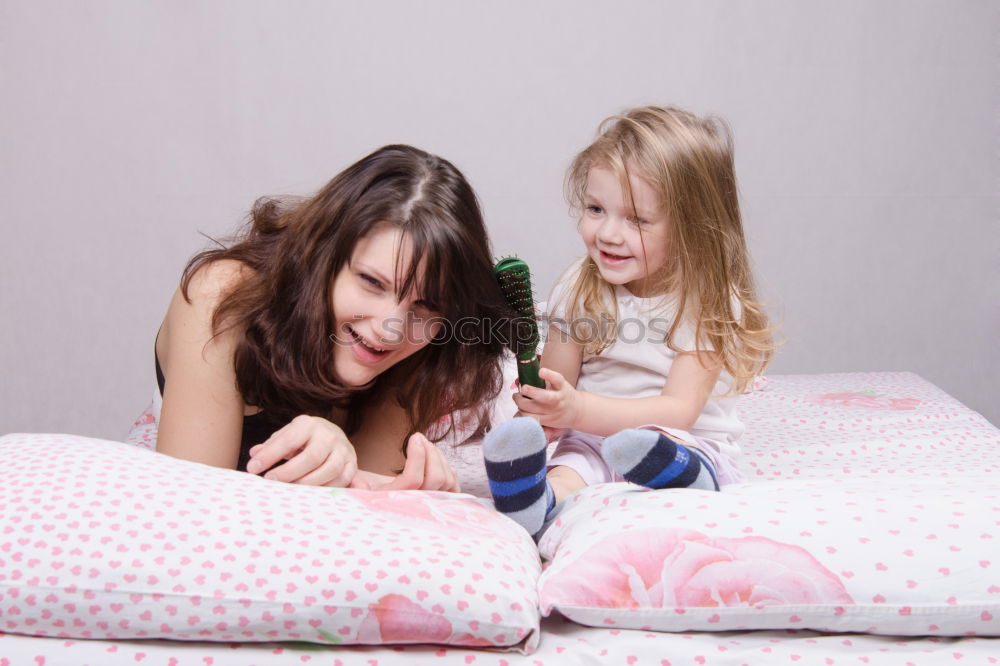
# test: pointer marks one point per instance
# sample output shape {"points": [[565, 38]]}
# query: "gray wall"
{"points": [[866, 137]]}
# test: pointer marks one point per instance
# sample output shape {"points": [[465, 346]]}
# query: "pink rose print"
{"points": [[681, 569], [451, 514], [868, 401], [396, 619]]}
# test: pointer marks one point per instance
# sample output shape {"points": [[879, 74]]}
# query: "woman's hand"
{"points": [[317, 452], [557, 406], [425, 469]]}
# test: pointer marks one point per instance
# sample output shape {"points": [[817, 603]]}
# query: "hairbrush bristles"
{"points": [[514, 279]]}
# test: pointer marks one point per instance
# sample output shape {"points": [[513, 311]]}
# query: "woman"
{"points": [[317, 344]]}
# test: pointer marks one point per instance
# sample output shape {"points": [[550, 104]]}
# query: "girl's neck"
{"points": [[648, 287]]}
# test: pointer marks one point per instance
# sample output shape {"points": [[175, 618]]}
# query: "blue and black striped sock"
{"points": [[650, 458], [515, 465]]}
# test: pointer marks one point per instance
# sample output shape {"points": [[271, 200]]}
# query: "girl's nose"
{"points": [[610, 231]]}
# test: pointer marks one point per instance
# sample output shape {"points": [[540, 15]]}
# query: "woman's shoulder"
{"points": [[210, 282], [192, 308]]}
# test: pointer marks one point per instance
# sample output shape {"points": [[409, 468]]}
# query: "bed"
{"points": [[868, 532]]}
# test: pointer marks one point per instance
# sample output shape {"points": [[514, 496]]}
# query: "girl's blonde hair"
{"points": [[688, 161]]}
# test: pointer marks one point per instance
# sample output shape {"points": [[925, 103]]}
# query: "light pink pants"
{"points": [[581, 452]]}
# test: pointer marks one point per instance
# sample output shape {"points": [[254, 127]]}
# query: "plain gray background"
{"points": [[866, 136]]}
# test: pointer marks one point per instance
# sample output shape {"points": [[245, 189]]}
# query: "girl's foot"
{"points": [[515, 465], [650, 458]]}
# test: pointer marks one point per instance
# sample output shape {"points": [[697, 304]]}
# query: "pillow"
{"points": [[105, 540], [898, 556]]}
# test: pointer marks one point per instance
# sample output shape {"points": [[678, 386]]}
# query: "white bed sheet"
{"points": [[849, 425], [563, 644]]}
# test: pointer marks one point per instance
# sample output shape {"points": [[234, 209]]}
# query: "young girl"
{"points": [[320, 341], [651, 335]]}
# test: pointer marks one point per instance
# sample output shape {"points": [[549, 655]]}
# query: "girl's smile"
{"points": [[613, 260]]}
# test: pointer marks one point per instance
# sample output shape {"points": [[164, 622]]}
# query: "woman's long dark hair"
{"points": [[283, 310]]}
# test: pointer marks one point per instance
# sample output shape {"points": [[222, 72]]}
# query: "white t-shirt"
{"points": [[638, 361]]}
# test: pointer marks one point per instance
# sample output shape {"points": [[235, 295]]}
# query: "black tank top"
{"points": [[256, 427]]}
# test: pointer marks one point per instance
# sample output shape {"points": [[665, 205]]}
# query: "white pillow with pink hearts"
{"points": [[104, 540], [891, 556]]}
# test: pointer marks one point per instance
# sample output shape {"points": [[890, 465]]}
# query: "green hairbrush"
{"points": [[514, 278]]}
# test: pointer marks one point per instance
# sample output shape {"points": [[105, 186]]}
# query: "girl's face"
{"points": [[629, 246], [373, 329]]}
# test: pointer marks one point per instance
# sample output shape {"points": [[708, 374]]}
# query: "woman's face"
{"points": [[374, 330]]}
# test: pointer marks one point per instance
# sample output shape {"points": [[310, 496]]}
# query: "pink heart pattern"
{"points": [[102, 540], [858, 515]]}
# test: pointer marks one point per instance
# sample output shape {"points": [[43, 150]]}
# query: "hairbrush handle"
{"points": [[527, 372], [514, 279]]}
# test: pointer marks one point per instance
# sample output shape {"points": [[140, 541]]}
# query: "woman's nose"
{"points": [[390, 322]]}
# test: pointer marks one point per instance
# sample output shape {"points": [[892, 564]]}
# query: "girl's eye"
{"points": [[595, 210], [637, 221]]}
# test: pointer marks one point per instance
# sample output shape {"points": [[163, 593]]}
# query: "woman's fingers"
{"points": [[426, 468], [435, 467], [370, 480], [438, 474], [335, 472], [279, 446], [412, 476], [317, 453]]}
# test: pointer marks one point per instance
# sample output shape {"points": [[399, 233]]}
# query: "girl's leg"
{"points": [[516, 468], [564, 481], [653, 459]]}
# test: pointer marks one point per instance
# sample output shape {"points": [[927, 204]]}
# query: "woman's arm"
{"points": [[688, 387], [318, 452], [202, 414]]}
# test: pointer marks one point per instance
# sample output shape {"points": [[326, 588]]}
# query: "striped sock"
{"points": [[650, 458], [515, 465]]}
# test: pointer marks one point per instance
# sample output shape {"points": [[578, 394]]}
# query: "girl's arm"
{"points": [[688, 387], [202, 414], [562, 354]]}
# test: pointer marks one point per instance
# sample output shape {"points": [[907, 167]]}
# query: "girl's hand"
{"points": [[318, 454], [557, 406], [551, 434]]}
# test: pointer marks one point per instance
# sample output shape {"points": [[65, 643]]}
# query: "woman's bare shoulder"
{"points": [[191, 310], [212, 281]]}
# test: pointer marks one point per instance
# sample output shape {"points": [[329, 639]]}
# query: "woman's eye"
{"points": [[370, 280], [426, 305]]}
